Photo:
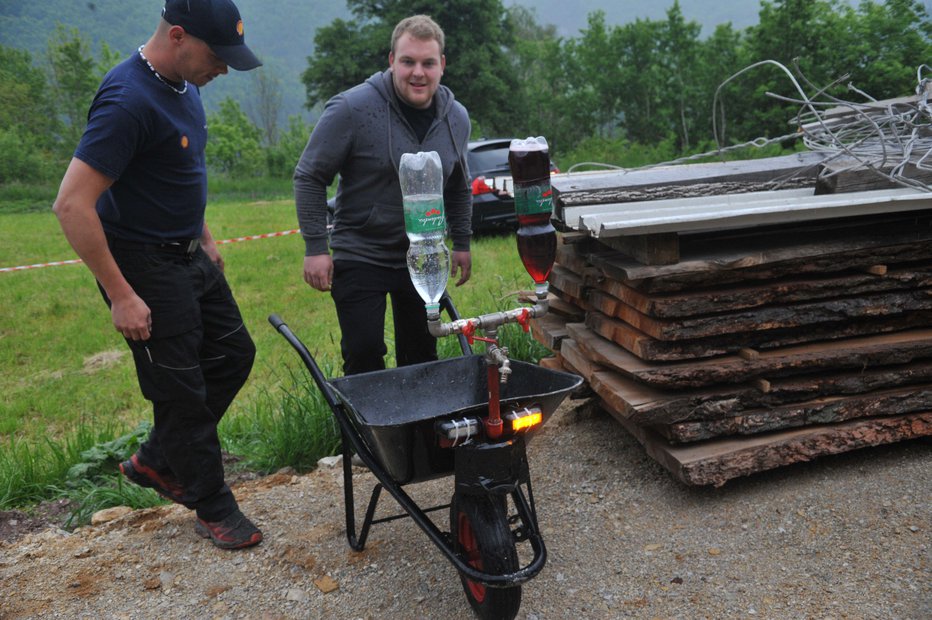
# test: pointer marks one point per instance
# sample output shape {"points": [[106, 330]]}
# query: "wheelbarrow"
{"points": [[424, 421]]}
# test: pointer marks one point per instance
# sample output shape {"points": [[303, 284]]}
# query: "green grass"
{"points": [[30, 469], [291, 424], [69, 385]]}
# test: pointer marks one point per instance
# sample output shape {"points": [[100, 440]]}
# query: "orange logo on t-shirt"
{"points": [[239, 27], [184, 142]]}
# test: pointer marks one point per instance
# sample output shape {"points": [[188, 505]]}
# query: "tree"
{"points": [[109, 58], [888, 42], [345, 54], [266, 103], [233, 142], [806, 36], [645, 87], [597, 74], [718, 58], [282, 156], [477, 34], [74, 80], [25, 103], [678, 48], [544, 100]]}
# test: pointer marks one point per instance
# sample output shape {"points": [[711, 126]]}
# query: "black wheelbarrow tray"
{"points": [[390, 419]]}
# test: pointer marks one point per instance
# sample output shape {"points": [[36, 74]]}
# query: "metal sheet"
{"points": [[746, 211]]}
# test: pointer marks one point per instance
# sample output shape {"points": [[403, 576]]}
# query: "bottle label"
{"points": [[424, 216], [533, 199]]}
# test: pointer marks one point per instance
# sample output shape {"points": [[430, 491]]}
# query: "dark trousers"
{"points": [[359, 291], [196, 360]]}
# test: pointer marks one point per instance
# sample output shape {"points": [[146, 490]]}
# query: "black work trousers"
{"points": [[359, 291], [197, 358]]}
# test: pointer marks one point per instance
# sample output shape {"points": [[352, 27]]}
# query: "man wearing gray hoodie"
{"points": [[361, 136]]}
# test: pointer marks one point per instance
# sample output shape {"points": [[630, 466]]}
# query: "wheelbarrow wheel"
{"points": [[479, 525]]}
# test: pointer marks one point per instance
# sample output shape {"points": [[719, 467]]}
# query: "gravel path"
{"points": [[842, 537]]}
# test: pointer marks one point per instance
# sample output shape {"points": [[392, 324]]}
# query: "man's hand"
{"points": [[132, 317], [462, 262], [318, 271], [210, 247]]}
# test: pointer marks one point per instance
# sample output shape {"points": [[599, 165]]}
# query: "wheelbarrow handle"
{"points": [[277, 322], [308, 359]]}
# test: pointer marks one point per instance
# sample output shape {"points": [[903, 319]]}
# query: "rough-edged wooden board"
{"points": [[747, 260], [572, 257], [819, 411], [650, 249], [651, 349], [644, 404], [549, 330], [717, 461], [664, 181], [583, 366], [853, 354], [757, 321], [784, 291], [622, 195], [568, 283], [844, 175], [566, 310], [570, 300]]}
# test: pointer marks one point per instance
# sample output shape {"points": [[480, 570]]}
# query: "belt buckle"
{"points": [[191, 247]]}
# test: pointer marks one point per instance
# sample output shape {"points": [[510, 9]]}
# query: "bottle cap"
{"points": [[529, 144]]}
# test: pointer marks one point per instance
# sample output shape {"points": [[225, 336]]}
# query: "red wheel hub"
{"points": [[467, 540]]}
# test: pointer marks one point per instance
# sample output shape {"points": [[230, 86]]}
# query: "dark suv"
{"points": [[493, 205]]}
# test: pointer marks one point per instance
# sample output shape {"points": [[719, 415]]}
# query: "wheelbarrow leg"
{"points": [[349, 502]]}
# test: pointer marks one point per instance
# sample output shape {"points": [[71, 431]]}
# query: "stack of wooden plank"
{"points": [[734, 337]]}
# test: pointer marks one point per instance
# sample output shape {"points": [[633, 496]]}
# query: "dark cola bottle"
{"points": [[529, 161]]}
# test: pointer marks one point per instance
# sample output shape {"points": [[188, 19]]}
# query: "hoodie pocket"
{"points": [[385, 222]]}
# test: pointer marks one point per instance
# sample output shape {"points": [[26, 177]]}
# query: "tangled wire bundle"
{"points": [[891, 138]]}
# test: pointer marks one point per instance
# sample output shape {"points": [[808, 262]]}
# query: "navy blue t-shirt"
{"points": [[151, 141]]}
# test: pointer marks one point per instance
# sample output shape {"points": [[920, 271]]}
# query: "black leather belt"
{"points": [[185, 247]]}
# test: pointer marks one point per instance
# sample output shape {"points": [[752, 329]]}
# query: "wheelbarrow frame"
{"points": [[466, 470]]}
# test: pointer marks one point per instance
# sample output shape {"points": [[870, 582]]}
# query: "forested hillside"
{"points": [[280, 31], [570, 17], [623, 93]]}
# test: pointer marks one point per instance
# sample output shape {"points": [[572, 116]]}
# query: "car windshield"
{"points": [[493, 157]]}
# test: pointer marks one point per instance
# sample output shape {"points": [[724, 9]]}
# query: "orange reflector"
{"points": [[526, 421]]}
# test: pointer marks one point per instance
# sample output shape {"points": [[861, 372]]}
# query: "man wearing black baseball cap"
{"points": [[132, 205], [217, 23]]}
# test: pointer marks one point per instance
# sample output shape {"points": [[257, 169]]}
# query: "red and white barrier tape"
{"points": [[78, 260], [265, 236]]}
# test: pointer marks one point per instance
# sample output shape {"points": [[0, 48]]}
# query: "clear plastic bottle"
{"points": [[529, 161], [421, 178]]}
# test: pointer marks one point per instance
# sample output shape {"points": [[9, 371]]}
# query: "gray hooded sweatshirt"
{"points": [[362, 135]]}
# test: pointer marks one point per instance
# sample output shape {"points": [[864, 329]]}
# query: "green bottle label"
{"points": [[533, 199], [424, 215]]}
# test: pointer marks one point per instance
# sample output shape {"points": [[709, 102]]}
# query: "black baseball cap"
{"points": [[218, 24]]}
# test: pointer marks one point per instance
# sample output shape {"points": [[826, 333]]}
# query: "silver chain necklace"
{"points": [[180, 91]]}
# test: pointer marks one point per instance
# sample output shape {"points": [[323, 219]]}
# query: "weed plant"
{"points": [[291, 425], [31, 472], [91, 495]]}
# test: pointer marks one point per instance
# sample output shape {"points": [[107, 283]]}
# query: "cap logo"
{"points": [[184, 142], [239, 27]]}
